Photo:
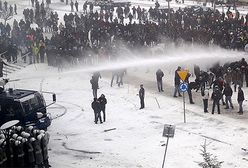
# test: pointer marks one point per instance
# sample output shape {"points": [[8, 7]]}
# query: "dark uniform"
{"points": [[103, 101], [76, 6], [189, 89], [177, 82], [38, 153], [241, 98], [3, 157], [142, 97], [29, 154], [19, 154], [44, 145], [216, 96], [97, 110]]}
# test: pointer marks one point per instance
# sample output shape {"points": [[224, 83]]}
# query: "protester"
{"points": [[240, 99], [103, 101], [205, 97], [159, 76], [97, 110], [216, 96], [142, 96]]}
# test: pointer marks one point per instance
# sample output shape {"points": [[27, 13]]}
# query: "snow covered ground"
{"points": [[137, 138]]}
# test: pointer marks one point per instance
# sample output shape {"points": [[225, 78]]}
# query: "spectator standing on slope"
{"points": [[103, 101], [76, 5], [142, 96], [94, 86], [97, 111], [205, 97], [159, 76], [241, 98], [177, 82], [228, 94]]}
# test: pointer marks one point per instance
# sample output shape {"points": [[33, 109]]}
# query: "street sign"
{"points": [[169, 131], [183, 87], [182, 74]]}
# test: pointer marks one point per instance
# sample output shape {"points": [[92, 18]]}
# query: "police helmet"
{"points": [[30, 128], [17, 143], [39, 137], [14, 136], [24, 140], [19, 138], [42, 131], [2, 136], [32, 139], [19, 128]]}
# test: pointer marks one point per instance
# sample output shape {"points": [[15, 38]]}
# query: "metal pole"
{"points": [[166, 146], [184, 108]]}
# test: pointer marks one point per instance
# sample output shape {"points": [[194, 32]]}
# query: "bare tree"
{"points": [[5, 15]]}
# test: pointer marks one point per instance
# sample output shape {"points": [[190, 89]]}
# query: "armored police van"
{"points": [[27, 106]]}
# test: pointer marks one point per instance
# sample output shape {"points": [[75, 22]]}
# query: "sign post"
{"points": [[183, 88], [169, 131]]}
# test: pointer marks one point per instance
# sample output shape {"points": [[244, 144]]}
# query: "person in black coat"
{"points": [[96, 76], [94, 86], [190, 87], [228, 93], [177, 82], [160, 75], [103, 101], [243, 64], [42, 52], [142, 96], [216, 96], [76, 5], [97, 110], [241, 98]]}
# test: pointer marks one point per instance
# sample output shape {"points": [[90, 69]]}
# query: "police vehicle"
{"points": [[27, 106]]}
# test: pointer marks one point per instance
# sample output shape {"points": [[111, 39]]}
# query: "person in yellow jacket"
{"points": [[35, 51]]}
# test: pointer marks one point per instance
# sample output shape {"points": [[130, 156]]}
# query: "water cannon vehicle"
{"points": [[27, 106]]}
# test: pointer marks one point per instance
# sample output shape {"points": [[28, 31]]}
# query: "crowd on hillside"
{"points": [[104, 32]]}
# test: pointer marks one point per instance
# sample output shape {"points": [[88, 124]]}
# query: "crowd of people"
{"points": [[221, 79], [98, 34]]}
